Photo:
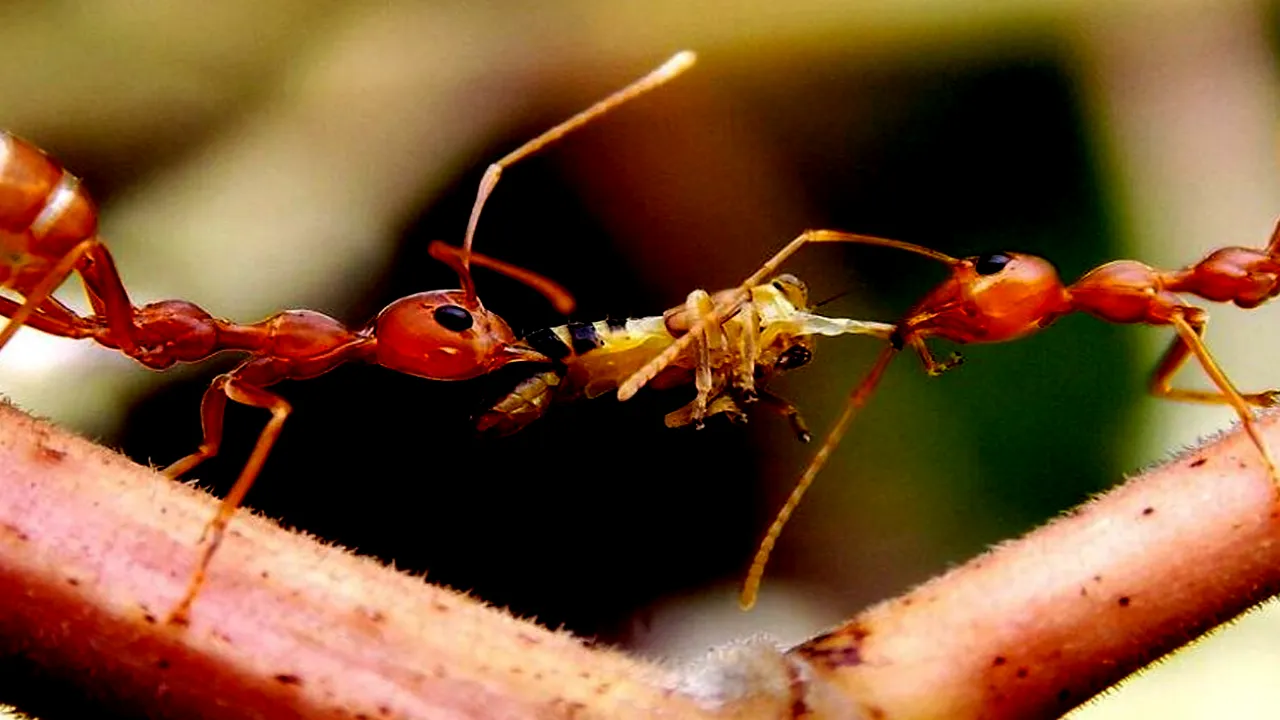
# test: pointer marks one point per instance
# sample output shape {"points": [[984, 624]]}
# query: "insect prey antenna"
{"points": [[651, 369], [828, 301], [555, 293], [857, 399], [673, 67]]}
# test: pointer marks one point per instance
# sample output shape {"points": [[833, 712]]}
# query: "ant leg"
{"points": [[1178, 353], [54, 318], [107, 295], [44, 289], [213, 407], [677, 64], [933, 367], [1190, 336], [789, 411], [235, 388], [857, 399]]}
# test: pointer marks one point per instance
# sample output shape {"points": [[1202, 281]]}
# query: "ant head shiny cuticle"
{"points": [[443, 335]]}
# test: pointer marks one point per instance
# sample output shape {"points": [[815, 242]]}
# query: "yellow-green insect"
{"points": [[727, 365]]}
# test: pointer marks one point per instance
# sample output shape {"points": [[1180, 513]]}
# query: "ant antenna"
{"points": [[548, 288], [678, 63], [858, 398]]}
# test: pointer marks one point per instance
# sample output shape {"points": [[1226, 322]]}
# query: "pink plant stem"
{"points": [[94, 550], [1037, 626]]}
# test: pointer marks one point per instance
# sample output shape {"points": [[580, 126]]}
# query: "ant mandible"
{"points": [[438, 335], [1005, 296]]}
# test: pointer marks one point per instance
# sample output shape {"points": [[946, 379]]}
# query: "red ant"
{"points": [[438, 335], [1004, 296]]}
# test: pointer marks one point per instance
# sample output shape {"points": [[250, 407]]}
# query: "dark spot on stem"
{"points": [[1148, 510], [286, 679], [17, 532], [1022, 672], [1123, 601], [162, 664], [1198, 462], [998, 661], [839, 648]]}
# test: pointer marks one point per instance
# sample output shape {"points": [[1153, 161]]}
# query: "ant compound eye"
{"points": [[794, 357], [991, 264], [452, 317]]}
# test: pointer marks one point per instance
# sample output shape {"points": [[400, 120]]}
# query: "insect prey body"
{"points": [[770, 332]]}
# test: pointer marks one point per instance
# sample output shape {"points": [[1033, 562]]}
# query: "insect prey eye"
{"points": [[794, 357], [452, 317], [991, 263]]}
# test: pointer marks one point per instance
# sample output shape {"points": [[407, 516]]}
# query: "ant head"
{"points": [[445, 335], [991, 298]]}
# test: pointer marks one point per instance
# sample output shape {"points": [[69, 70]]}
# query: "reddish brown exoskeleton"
{"points": [[439, 335], [1004, 296], [48, 230]]}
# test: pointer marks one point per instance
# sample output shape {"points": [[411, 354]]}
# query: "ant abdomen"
{"points": [[40, 198]]}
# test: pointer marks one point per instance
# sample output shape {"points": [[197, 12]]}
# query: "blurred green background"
{"points": [[254, 156]]}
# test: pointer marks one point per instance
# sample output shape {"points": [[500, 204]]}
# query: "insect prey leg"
{"points": [[748, 352], [698, 305], [788, 410]]}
